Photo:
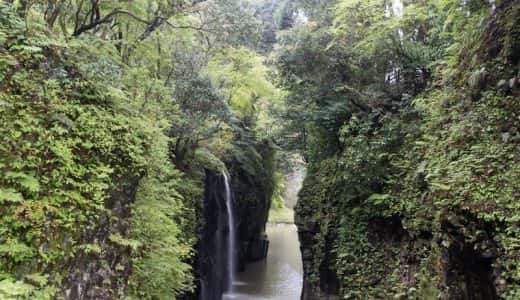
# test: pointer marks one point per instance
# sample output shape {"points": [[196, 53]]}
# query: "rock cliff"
{"points": [[251, 188]]}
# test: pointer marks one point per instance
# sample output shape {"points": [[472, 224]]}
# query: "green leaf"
{"points": [[37, 279], [26, 181], [378, 198], [119, 240], [10, 195], [440, 186], [19, 252], [14, 290]]}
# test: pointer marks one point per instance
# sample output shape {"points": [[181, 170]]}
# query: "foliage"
{"points": [[112, 111], [411, 142], [160, 218], [241, 75], [64, 148]]}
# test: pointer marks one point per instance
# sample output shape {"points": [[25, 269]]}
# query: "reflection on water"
{"points": [[279, 277]]}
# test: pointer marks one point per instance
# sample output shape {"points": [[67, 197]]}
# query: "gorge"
{"points": [[259, 273], [259, 149]]}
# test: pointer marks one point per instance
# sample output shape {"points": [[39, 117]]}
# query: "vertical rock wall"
{"points": [[456, 241], [251, 202], [104, 274], [211, 250], [252, 208]]}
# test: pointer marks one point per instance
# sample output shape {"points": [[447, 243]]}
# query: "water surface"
{"points": [[279, 277]]}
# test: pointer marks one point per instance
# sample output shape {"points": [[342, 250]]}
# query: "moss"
{"points": [[71, 160], [412, 196], [204, 159]]}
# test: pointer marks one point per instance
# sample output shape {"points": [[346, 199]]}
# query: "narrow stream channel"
{"points": [[279, 277]]}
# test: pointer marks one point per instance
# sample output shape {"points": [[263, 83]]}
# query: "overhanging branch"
{"points": [[107, 19]]}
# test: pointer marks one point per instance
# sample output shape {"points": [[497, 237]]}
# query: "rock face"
{"points": [[211, 250], [319, 281], [453, 243], [251, 208], [104, 274], [463, 268], [252, 200]]}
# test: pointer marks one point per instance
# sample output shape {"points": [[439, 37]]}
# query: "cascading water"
{"points": [[231, 240]]}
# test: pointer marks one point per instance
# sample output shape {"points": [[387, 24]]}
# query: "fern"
{"points": [[10, 196]]}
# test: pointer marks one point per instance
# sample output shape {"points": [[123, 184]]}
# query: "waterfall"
{"points": [[398, 7], [231, 236]]}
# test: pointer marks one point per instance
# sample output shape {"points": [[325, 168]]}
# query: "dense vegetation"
{"points": [[111, 112], [407, 113]]}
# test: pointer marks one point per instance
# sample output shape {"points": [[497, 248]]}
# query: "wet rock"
{"points": [[513, 83], [94, 275], [503, 85], [257, 249], [251, 200], [211, 256], [477, 79], [506, 137]]}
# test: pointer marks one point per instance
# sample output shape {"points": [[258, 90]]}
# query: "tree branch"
{"points": [[190, 27], [108, 19]]}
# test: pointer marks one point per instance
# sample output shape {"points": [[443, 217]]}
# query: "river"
{"points": [[279, 277]]}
